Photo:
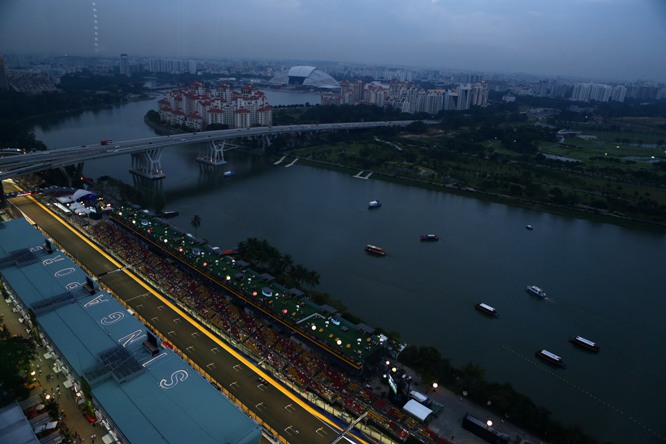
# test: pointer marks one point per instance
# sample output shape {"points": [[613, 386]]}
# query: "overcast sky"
{"points": [[590, 39]]}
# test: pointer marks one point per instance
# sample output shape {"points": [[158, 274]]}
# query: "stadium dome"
{"points": [[305, 76]]}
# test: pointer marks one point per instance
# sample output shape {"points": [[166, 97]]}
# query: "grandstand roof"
{"points": [[97, 337]]}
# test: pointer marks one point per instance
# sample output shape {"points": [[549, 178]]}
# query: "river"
{"points": [[604, 282]]}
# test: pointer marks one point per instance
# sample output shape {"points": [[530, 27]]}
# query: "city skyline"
{"points": [[612, 40]]}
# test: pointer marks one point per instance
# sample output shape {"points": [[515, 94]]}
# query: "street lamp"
{"points": [[489, 423]]}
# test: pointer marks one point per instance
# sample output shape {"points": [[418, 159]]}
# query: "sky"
{"points": [[586, 39]]}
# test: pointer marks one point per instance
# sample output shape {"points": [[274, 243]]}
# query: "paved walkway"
{"points": [[51, 383], [448, 424]]}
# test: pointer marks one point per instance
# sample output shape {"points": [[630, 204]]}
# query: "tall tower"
{"points": [[124, 66]]}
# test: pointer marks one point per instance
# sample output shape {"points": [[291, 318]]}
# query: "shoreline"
{"points": [[29, 120], [501, 198], [560, 210]]}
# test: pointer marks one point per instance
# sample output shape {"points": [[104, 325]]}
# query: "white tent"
{"points": [[78, 194], [417, 410]]}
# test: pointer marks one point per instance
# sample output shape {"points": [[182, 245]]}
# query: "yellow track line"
{"points": [[205, 331]]}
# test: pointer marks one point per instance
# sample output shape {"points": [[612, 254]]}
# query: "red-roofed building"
{"points": [[242, 118], [265, 116], [215, 115], [199, 101], [177, 117], [194, 121]]}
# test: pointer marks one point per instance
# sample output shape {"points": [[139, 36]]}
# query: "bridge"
{"points": [[146, 153]]}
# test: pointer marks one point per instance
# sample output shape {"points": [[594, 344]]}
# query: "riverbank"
{"points": [[160, 130], [72, 111], [588, 214]]}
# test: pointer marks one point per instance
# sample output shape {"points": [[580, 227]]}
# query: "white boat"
{"points": [[374, 204], [486, 309], [550, 357], [535, 291], [375, 250], [585, 343]]}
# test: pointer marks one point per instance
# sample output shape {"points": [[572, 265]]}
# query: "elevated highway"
{"points": [[16, 165]]}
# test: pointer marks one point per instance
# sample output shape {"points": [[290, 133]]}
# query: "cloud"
{"points": [[487, 35]]}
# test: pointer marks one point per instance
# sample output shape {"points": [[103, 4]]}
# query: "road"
{"points": [[15, 165], [292, 418]]}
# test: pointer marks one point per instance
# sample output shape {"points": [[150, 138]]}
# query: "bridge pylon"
{"points": [[266, 142], [148, 164], [215, 154]]}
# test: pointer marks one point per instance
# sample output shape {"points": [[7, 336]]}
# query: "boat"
{"points": [[229, 173], [375, 250], [585, 344], [374, 204], [551, 358], [486, 309], [169, 213], [429, 237], [535, 291], [529, 227]]}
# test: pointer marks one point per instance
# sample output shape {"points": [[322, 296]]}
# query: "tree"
{"points": [[15, 356], [196, 223]]}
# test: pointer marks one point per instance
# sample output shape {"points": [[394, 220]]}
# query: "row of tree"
{"points": [[502, 399], [16, 354], [267, 258]]}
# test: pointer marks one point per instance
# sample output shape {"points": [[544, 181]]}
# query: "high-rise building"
{"points": [[124, 66], [357, 90], [619, 93], [581, 92], [600, 92], [4, 78], [464, 97], [434, 101], [480, 94]]}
